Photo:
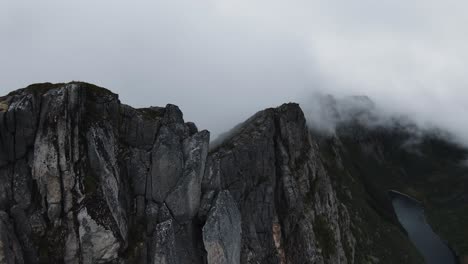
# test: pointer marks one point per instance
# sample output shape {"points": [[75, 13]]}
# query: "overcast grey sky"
{"points": [[222, 60]]}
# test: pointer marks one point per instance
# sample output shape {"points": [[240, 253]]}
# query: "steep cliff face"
{"points": [[289, 209], [86, 179]]}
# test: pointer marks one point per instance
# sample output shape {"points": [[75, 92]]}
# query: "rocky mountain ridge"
{"points": [[87, 179]]}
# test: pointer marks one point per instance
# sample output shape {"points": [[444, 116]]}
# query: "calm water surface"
{"points": [[411, 215]]}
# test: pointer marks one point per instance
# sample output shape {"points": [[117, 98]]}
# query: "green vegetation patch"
{"points": [[152, 112], [90, 183], [324, 235], [3, 106], [445, 220], [42, 88], [361, 184]]}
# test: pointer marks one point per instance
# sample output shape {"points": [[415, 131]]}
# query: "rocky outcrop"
{"points": [[289, 210], [87, 179]]}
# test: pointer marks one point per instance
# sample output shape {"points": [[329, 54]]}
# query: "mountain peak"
{"points": [[86, 179]]}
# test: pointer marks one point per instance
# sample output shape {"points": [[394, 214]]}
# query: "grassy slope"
{"points": [[377, 160], [378, 237]]}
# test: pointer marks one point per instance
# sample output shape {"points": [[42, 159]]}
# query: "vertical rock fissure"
{"points": [[278, 195]]}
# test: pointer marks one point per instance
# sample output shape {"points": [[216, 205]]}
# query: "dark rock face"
{"points": [[86, 179], [222, 231], [271, 168]]}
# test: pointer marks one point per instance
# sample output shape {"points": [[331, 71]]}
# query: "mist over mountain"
{"points": [[223, 60], [326, 113]]}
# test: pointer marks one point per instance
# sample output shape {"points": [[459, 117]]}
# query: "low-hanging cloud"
{"points": [[222, 60]]}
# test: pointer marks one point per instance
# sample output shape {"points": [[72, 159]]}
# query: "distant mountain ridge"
{"points": [[87, 179]]}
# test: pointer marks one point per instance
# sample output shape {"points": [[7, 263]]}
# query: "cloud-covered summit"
{"points": [[221, 61]]}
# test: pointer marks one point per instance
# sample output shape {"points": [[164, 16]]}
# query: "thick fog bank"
{"points": [[221, 61]]}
